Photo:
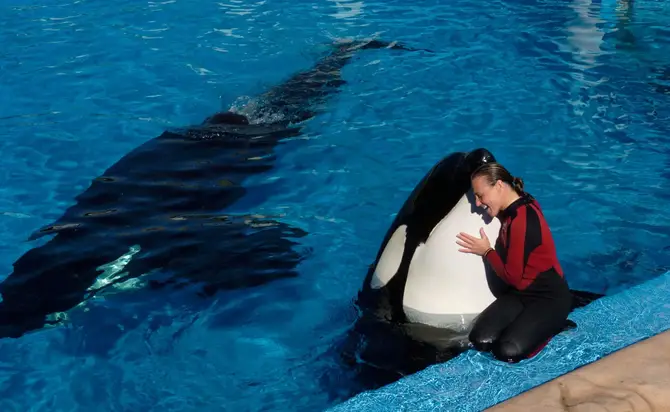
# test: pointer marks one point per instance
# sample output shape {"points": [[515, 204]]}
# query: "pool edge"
{"points": [[642, 311], [635, 376]]}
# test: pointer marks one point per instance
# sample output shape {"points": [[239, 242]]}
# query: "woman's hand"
{"points": [[471, 244]]}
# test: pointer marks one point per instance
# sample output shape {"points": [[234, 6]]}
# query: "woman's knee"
{"points": [[482, 338], [489, 325], [510, 351]]}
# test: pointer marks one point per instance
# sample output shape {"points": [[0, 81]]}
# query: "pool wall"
{"points": [[474, 381]]}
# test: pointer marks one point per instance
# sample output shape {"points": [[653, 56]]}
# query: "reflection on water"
{"points": [[593, 23], [347, 9]]}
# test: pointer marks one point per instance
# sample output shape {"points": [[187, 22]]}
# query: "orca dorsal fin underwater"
{"points": [[230, 118]]}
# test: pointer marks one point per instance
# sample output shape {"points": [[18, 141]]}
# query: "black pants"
{"points": [[513, 327]]}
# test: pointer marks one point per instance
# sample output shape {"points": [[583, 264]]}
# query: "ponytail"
{"points": [[517, 185]]}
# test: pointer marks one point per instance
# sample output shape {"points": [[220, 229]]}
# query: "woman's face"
{"points": [[486, 196]]}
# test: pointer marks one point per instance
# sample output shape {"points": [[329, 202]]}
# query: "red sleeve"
{"points": [[513, 270]]}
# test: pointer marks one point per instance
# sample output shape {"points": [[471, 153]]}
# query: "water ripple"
{"points": [[572, 96]]}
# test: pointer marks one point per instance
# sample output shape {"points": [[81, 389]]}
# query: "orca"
{"points": [[421, 295], [418, 275], [157, 217]]}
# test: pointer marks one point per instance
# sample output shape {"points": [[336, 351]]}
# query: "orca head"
{"points": [[230, 118], [438, 192], [441, 189], [478, 157]]}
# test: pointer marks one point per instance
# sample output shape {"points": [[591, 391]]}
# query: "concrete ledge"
{"points": [[475, 381], [636, 378]]}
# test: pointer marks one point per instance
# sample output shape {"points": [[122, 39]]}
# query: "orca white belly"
{"points": [[446, 288]]}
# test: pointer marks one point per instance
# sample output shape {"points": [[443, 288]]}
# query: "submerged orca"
{"points": [[421, 295], [156, 215]]}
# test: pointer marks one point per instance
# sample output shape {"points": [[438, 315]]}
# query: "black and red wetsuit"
{"points": [[525, 254], [537, 300]]}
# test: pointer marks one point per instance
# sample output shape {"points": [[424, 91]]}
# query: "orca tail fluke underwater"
{"points": [[285, 103]]}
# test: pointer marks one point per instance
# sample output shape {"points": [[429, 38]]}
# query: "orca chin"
{"points": [[421, 294]]}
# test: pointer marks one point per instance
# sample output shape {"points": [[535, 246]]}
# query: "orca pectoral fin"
{"points": [[581, 298]]}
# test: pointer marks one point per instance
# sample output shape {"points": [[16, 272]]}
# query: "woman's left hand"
{"points": [[471, 244]]}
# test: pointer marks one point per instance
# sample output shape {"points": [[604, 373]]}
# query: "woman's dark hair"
{"points": [[495, 171]]}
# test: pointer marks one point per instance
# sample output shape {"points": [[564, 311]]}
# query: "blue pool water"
{"points": [[571, 95]]}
